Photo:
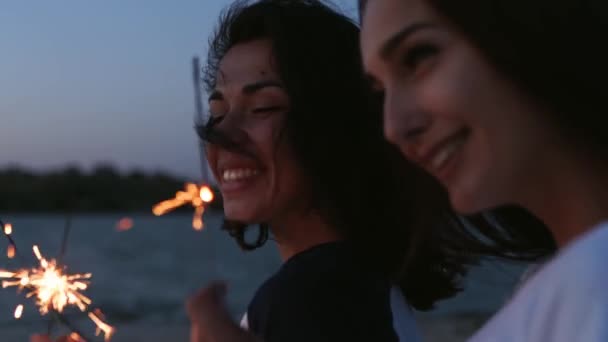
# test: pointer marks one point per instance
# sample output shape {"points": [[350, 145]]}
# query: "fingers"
{"points": [[40, 338], [207, 299], [210, 320], [73, 337]]}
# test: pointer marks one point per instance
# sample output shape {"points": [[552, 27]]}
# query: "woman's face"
{"points": [[264, 183], [450, 111]]}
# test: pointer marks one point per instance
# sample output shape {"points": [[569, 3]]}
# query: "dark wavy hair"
{"points": [[398, 217], [552, 50]]}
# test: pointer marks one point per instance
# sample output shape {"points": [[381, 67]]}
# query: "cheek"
{"points": [[287, 184], [291, 194], [265, 141], [284, 182], [448, 95]]}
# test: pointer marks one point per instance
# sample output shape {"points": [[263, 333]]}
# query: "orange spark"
{"points": [[124, 223], [10, 251], [206, 194], [53, 289], [18, 311], [195, 195], [197, 220], [8, 229]]}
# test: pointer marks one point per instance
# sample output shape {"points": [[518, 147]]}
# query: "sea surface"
{"points": [[142, 276]]}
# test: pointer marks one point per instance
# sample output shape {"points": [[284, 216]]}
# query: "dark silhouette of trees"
{"points": [[72, 190]]}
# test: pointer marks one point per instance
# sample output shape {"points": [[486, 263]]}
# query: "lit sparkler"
{"points": [[195, 195], [54, 290]]}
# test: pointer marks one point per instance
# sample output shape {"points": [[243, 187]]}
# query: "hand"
{"points": [[211, 321], [46, 338]]}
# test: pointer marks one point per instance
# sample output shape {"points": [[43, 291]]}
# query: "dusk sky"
{"points": [[84, 82]]}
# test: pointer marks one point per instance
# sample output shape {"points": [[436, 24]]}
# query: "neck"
{"points": [[571, 197], [297, 232]]}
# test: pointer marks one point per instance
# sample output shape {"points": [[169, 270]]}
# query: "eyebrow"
{"points": [[393, 42], [257, 86], [249, 89]]}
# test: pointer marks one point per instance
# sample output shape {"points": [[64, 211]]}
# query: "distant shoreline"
{"points": [[102, 190]]}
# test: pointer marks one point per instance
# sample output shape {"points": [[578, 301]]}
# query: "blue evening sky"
{"points": [[83, 82]]}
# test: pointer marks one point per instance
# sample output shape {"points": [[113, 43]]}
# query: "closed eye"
{"points": [[269, 109], [419, 54]]}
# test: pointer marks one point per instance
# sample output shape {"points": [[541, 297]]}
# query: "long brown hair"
{"points": [[398, 218]]}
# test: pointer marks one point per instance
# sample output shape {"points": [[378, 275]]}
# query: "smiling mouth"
{"points": [[442, 153], [239, 174], [236, 179]]}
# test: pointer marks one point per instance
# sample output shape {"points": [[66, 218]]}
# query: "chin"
{"points": [[466, 201], [474, 202], [463, 207], [238, 216], [240, 213]]}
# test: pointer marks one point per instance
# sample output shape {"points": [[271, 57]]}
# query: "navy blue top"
{"points": [[322, 294]]}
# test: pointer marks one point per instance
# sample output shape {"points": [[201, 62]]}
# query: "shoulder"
{"points": [[318, 280], [318, 299], [581, 266], [323, 269], [563, 301]]}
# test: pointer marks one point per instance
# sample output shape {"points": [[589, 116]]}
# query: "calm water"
{"points": [[143, 275]]}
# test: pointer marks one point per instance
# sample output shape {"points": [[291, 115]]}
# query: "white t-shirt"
{"points": [[565, 301]]}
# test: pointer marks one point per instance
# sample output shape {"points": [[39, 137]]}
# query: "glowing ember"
{"points": [[197, 220], [124, 223], [10, 251], [206, 194], [8, 229], [194, 195], [18, 311], [53, 289]]}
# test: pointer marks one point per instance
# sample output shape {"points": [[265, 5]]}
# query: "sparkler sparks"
{"points": [[54, 290], [124, 224], [195, 195], [8, 229], [18, 311], [10, 251]]}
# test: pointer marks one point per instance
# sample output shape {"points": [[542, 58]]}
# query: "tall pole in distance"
{"points": [[199, 117]]}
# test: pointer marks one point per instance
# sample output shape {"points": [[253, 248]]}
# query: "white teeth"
{"points": [[445, 153], [238, 174]]}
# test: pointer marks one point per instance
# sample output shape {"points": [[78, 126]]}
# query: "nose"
{"points": [[231, 127], [404, 122], [228, 133]]}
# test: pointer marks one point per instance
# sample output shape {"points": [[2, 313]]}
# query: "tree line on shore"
{"points": [[71, 189]]}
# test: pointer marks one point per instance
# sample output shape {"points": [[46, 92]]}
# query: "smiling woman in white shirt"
{"points": [[296, 141], [503, 101]]}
